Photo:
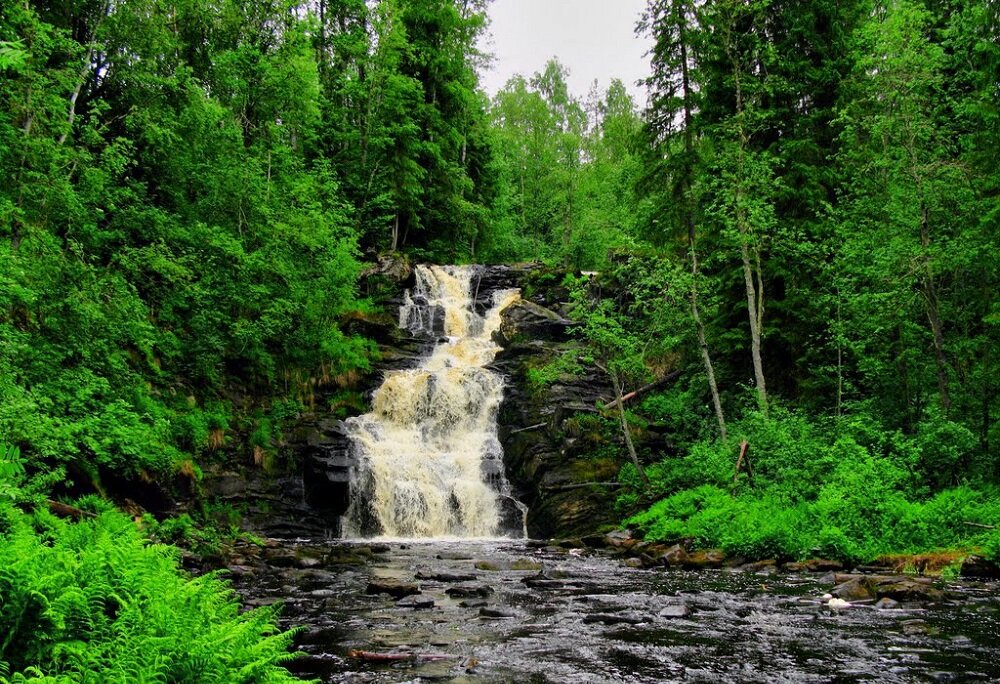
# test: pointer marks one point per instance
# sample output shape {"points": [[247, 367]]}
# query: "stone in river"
{"points": [[613, 619], [467, 591], [676, 611], [497, 613], [394, 588], [416, 601], [852, 590], [446, 577]]}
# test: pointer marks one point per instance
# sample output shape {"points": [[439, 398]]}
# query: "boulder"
{"points": [[907, 589], [814, 565], [701, 560], [525, 319], [855, 589]]}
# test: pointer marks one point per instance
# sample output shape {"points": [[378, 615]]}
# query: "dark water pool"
{"points": [[531, 615]]}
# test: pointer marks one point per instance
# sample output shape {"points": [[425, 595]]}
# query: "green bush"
{"points": [[94, 601], [850, 494]]}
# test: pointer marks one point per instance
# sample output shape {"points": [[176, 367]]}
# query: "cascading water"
{"points": [[429, 461]]}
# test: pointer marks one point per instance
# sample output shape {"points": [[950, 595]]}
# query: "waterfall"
{"points": [[429, 463]]}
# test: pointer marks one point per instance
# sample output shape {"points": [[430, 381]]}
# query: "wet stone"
{"points": [[393, 588], [676, 611], [469, 591], [473, 603], [886, 604], [416, 601], [496, 613], [446, 576], [613, 619], [852, 590]]}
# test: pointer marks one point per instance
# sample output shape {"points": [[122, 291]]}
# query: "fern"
{"points": [[93, 601]]}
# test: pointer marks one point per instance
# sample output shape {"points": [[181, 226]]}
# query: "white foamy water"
{"points": [[429, 461]]}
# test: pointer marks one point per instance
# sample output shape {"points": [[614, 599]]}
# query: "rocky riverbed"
{"points": [[502, 611]]}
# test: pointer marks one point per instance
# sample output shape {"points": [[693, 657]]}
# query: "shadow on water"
{"points": [[505, 612]]}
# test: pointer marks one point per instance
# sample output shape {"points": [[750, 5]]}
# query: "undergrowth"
{"points": [[94, 600], [848, 491]]}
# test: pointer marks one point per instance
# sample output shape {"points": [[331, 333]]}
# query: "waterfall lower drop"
{"points": [[429, 461]]}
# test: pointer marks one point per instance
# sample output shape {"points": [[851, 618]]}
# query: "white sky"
{"points": [[595, 39]]}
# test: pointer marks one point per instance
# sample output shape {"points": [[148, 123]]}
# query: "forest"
{"points": [[803, 220]]}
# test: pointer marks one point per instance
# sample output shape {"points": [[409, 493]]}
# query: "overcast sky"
{"points": [[595, 39]]}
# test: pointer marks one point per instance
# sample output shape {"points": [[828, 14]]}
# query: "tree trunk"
{"points": [[689, 219], [934, 315], [755, 293], [625, 429]]}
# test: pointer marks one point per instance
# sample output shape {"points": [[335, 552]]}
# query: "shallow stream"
{"points": [[511, 612]]}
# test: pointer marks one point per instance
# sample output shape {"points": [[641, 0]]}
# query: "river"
{"points": [[513, 611]]}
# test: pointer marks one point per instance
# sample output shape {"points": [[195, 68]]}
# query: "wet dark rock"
{"points": [[896, 587], [977, 566], [886, 604], [473, 603], [525, 319], [497, 613], [814, 565], [465, 591], [671, 556], [446, 577], [394, 588], [416, 601], [853, 590], [543, 583], [613, 619], [454, 556], [907, 589]]}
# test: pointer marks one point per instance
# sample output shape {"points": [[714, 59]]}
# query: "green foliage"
{"points": [[94, 600], [815, 491], [171, 228], [545, 375]]}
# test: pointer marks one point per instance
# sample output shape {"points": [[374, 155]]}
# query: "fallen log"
{"points": [[67, 511], [581, 485], [669, 377]]}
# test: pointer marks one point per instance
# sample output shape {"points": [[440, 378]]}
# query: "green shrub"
{"points": [[95, 601]]}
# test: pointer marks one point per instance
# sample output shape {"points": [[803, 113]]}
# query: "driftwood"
{"points": [[669, 377], [530, 427]]}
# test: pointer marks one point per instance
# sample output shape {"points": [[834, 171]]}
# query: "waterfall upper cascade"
{"points": [[429, 461]]}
